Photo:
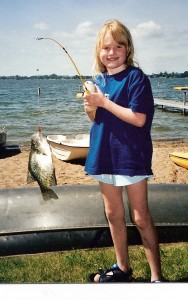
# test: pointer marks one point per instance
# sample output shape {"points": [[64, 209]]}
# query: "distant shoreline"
{"points": [[55, 76], [52, 77]]}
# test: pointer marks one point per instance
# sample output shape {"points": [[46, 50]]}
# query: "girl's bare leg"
{"points": [[138, 199], [114, 209]]}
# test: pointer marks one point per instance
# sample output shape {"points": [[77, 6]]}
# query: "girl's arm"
{"points": [[125, 114]]}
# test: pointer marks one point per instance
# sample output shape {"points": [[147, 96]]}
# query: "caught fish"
{"points": [[40, 166]]}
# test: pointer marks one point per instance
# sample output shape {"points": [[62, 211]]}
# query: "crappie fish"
{"points": [[40, 166]]}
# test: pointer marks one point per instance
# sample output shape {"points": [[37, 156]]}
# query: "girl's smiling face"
{"points": [[113, 55]]}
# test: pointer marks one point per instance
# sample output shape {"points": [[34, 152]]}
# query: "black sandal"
{"points": [[117, 276]]}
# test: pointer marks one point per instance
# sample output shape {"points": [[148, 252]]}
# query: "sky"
{"points": [[159, 29]]}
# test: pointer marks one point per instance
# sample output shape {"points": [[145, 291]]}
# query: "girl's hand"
{"points": [[94, 100], [88, 108]]}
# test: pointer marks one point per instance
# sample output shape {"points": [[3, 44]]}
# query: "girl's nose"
{"points": [[111, 51]]}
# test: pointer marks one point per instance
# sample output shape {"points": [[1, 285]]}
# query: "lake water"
{"points": [[58, 111]]}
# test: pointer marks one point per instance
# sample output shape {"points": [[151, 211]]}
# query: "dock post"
{"points": [[184, 98], [184, 101]]}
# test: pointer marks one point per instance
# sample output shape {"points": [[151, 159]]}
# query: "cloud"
{"points": [[41, 26], [147, 30], [84, 29], [80, 40]]}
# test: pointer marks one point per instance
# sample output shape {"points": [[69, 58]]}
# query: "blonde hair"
{"points": [[121, 35]]}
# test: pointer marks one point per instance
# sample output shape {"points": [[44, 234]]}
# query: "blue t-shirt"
{"points": [[117, 147]]}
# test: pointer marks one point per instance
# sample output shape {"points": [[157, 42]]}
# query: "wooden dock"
{"points": [[171, 104]]}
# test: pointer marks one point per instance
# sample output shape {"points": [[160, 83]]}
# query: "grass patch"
{"points": [[75, 265]]}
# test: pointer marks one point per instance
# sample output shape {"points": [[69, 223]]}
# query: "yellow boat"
{"points": [[180, 159], [181, 88]]}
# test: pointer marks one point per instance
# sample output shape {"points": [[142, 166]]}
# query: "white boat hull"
{"points": [[69, 147]]}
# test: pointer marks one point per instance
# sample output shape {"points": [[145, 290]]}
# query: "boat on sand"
{"points": [[69, 147], [180, 159]]}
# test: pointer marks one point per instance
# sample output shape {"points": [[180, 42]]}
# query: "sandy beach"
{"points": [[13, 167]]}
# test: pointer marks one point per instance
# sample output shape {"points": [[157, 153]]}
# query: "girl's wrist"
{"points": [[106, 101]]}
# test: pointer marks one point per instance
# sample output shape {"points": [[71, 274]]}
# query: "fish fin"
{"points": [[30, 178], [48, 194]]}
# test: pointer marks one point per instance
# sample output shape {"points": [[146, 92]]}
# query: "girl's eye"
{"points": [[108, 47]]}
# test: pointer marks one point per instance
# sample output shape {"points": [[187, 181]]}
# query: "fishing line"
{"points": [[39, 109]]}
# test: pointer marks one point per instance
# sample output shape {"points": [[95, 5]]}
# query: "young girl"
{"points": [[120, 151]]}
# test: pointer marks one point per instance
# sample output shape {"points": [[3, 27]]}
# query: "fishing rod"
{"points": [[88, 85], [79, 74]]}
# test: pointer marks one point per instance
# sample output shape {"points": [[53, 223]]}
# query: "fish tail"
{"points": [[48, 194]]}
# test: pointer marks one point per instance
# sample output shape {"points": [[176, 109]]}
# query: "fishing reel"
{"points": [[88, 88]]}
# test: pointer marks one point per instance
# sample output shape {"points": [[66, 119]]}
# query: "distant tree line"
{"points": [[54, 76], [169, 75]]}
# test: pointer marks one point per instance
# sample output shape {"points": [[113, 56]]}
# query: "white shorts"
{"points": [[119, 180]]}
